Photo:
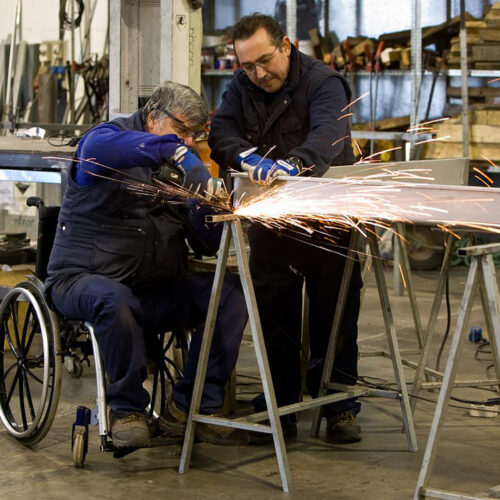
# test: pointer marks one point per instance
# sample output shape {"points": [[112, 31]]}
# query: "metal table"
{"points": [[34, 160]]}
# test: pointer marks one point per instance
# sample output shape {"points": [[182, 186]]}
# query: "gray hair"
{"points": [[180, 100]]}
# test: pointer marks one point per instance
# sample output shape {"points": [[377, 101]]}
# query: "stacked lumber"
{"points": [[483, 47], [360, 53], [484, 131]]}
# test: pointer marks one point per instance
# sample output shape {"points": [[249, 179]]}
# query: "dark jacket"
{"points": [[301, 119], [105, 229]]}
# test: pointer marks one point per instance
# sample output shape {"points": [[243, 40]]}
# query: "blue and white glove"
{"points": [[196, 174], [264, 171], [286, 167]]}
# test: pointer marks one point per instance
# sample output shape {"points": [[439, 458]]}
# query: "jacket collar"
{"points": [[294, 71]]}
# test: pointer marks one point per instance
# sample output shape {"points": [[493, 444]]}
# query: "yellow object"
{"points": [[204, 151], [11, 279]]}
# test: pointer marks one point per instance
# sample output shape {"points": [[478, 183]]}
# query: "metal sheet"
{"points": [[449, 171], [377, 200]]}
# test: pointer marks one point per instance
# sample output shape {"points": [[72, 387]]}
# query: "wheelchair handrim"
{"points": [[17, 291]]}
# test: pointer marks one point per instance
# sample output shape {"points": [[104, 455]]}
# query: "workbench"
{"points": [[33, 160]]}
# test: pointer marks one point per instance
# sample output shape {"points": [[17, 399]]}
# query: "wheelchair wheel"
{"points": [[79, 448], [30, 363]]}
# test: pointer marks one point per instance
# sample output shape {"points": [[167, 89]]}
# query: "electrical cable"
{"points": [[448, 321], [62, 137], [365, 382], [72, 139], [65, 21]]}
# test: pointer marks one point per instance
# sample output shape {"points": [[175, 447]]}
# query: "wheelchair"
{"points": [[36, 342]]}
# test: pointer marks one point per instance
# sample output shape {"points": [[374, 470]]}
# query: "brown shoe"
{"points": [[342, 428], [173, 423], [131, 431], [216, 434]]}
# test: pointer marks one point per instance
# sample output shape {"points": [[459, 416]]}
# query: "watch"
{"points": [[297, 162]]}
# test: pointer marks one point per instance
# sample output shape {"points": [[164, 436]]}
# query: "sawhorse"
{"points": [[422, 368], [405, 269], [233, 229], [482, 269]]}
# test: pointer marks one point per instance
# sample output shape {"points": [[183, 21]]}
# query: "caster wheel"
{"points": [[79, 450], [77, 370]]}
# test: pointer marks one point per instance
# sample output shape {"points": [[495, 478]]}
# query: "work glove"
{"points": [[169, 143], [264, 171], [195, 173]]}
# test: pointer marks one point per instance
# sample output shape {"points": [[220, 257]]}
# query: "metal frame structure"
{"points": [[482, 273], [233, 229], [421, 368], [151, 41]]}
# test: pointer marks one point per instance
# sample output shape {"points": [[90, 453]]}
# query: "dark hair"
{"points": [[248, 25]]}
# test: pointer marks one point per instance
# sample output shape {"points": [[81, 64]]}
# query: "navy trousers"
{"points": [[127, 320], [279, 265]]}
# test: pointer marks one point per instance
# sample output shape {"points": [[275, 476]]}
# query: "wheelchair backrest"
{"points": [[47, 225]]}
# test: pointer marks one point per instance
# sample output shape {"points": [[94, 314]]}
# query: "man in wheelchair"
{"points": [[119, 261]]}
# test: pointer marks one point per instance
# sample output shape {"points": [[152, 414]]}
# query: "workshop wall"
{"points": [[40, 21], [371, 18]]}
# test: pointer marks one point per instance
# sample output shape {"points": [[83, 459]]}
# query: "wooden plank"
{"points": [[455, 51], [493, 13], [493, 22], [390, 55], [474, 91], [486, 52], [470, 39], [359, 48], [405, 62], [490, 35], [475, 24], [477, 133], [454, 61], [486, 116], [454, 149], [487, 65]]}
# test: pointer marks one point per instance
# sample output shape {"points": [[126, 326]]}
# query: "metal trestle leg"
{"points": [[482, 269], [232, 227], [391, 338]]}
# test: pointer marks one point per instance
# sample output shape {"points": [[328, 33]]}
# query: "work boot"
{"points": [[288, 426], [131, 431], [216, 434], [173, 423], [342, 428]]}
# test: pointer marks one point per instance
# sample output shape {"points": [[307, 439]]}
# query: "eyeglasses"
{"points": [[172, 117], [185, 129], [263, 62]]}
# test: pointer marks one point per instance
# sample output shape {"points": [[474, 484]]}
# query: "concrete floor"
{"points": [[379, 467]]}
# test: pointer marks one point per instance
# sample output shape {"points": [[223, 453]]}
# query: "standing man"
{"points": [[283, 99], [120, 261]]}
